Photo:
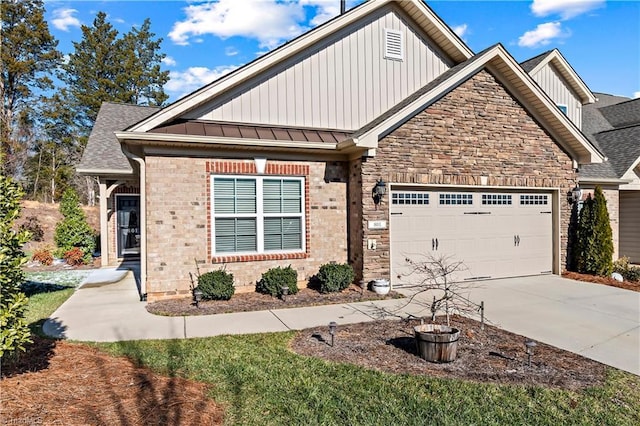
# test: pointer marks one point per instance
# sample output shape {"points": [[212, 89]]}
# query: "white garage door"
{"points": [[495, 234]]}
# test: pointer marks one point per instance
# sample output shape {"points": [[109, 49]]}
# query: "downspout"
{"points": [[143, 220]]}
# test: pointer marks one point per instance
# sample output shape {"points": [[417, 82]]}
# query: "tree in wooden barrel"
{"points": [[437, 275]]}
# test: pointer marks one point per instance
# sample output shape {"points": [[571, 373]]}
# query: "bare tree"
{"points": [[438, 275]]}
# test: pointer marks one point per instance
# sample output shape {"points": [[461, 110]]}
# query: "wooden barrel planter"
{"points": [[437, 343]]}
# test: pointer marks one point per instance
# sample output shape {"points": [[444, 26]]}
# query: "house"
{"points": [[613, 125], [373, 138]]}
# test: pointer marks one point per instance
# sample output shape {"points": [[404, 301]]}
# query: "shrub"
{"points": [[14, 330], [43, 256], [334, 277], [216, 285], [33, 226], [594, 237], [73, 230], [74, 257], [628, 272], [274, 279]]}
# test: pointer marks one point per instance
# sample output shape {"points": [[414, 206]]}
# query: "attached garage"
{"points": [[630, 225], [495, 233]]}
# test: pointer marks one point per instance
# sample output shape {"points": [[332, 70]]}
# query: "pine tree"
{"points": [[73, 230], [28, 58], [594, 251], [105, 67]]}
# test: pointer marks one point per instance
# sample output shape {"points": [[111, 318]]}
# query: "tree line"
{"points": [[50, 100]]}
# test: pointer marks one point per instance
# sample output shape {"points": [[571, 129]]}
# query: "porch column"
{"points": [[104, 228]]}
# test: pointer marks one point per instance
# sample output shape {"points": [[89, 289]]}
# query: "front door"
{"points": [[128, 207]]}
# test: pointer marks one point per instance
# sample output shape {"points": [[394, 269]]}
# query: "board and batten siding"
{"points": [[552, 82], [630, 225], [342, 83]]}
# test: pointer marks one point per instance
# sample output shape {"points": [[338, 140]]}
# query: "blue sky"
{"points": [[206, 39]]}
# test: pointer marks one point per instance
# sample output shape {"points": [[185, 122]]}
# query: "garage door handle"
{"points": [[433, 244], [436, 244]]}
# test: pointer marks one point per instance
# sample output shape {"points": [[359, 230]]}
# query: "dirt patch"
{"points": [[59, 383], [489, 355], [246, 302], [627, 285]]}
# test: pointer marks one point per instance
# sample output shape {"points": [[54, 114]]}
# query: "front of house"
{"points": [[279, 162]]}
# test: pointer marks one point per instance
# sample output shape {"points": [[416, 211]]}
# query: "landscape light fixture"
{"points": [[284, 292], [529, 345], [197, 297], [332, 330], [378, 191], [575, 194]]}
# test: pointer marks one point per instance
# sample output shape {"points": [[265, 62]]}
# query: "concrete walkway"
{"points": [[596, 321]]}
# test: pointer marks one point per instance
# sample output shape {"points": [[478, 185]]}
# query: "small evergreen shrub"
{"points": [[275, 278], [628, 272], [74, 257], [33, 226], [73, 230], [216, 285], [43, 256], [334, 277], [594, 251]]}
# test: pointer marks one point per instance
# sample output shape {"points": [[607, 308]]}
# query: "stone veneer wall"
{"points": [[476, 130], [178, 222]]}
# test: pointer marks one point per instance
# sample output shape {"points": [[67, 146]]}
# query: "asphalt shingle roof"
{"points": [[103, 150], [622, 114], [530, 64], [602, 123]]}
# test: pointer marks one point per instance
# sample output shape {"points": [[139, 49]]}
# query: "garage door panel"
{"points": [[629, 216], [495, 235]]}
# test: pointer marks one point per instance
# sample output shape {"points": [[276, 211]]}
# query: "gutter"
{"points": [[604, 180], [143, 221]]}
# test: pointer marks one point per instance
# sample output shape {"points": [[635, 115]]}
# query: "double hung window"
{"points": [[257, 214]]}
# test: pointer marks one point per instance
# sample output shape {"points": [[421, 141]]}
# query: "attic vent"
{"points": [[393, 44]]}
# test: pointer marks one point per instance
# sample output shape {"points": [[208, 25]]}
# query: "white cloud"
{"points": [[460, 30], [169, 61], [325, 10], [567, 9], [231, 51], [63, 19], [184, 82], [636, 95], [542, 35], [269, 22]]}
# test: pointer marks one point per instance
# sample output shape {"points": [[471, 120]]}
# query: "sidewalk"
{"points": [[596, 321]]}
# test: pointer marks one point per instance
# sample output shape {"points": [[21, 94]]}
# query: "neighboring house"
{"points": [[280, 161], [613, 125]]}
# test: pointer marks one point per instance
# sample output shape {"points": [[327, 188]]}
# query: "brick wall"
{"points": [[178, 222], [478, 129]]}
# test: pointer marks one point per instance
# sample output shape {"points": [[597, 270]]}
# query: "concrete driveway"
{"points": [[596, 321]]}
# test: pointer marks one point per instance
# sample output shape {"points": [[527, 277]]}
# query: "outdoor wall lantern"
{"points": [[575, 194], [332, 330], [197, 297], [378, 191], [529, 345]]}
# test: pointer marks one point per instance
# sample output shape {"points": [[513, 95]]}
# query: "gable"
{"points": [[554, 84], [342, 82], [478, 128]]}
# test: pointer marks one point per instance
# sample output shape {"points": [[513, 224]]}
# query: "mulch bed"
{"points": [[59, 383], [246, 302], [489, 355], [627, 285]]}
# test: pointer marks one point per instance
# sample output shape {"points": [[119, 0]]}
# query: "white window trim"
{"points": [[259, 215], [389, 55]]}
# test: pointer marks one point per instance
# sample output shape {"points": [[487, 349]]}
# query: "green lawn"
{"points": [[260, 381], [46, 292]]}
